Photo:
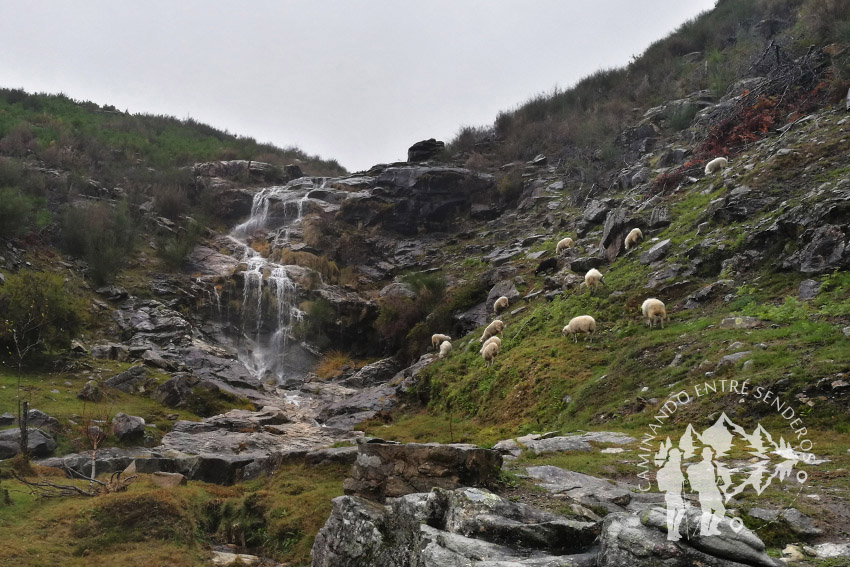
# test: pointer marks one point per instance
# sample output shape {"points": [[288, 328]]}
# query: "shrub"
{"points": [[171, 201], [510, 186], [174, 248], [102, 234], [15, 212], [39, 310]]}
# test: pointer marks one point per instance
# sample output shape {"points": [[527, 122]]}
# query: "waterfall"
{"points": [[269, 311]]}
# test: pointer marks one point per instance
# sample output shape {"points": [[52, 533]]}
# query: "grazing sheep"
{"points": [[563, 244], [547, 265], [437, 340], [593, 278], [493, 328], [489, 354], [654, 310], [501, 304], [716, 164], [634, 235], [491, 341], [580, 324], [445, 349]]}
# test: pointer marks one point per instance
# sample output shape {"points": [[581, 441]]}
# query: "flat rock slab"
{"points": [[580, 487], [576, 442]]}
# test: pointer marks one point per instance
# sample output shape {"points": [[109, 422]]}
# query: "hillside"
{"points": [[264, 314]]}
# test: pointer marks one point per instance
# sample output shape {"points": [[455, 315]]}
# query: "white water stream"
{"points": [[269, 296]]}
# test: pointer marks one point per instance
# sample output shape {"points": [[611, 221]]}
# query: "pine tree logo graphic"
{"points": [[702, 460]]}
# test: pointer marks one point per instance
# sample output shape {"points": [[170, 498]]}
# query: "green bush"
{"points": [[39, 311], [15, 212], [102, 234]]}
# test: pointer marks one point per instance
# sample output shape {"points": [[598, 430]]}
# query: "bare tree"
{"points": [[26, 335]]}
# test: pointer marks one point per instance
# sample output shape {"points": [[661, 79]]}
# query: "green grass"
{"points": [[277, 515], [56, 394]]}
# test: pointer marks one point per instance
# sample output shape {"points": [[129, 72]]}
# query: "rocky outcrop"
{"points": [[642, 540], [424, 150], [425, 198], [458, 527], [385, 470]]}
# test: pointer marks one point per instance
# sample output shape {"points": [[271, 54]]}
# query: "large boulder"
{"points": [[389, 469], [39, 443], [126, 427], [425, 150], [642, 540]]}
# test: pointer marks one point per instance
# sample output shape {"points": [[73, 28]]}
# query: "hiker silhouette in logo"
{"points": [[672, 481], [703, 480]]}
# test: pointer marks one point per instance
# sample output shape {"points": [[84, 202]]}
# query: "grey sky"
{"points": [[354, 80]]}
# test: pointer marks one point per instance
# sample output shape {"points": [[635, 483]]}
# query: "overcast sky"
{"points": [[354, 80]]}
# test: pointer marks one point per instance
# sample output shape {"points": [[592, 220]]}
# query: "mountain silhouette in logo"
{"points": [[724, 436]]}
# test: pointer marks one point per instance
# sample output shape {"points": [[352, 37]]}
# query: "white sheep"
{"points": [[634, 235], [593, 278], [654, 310], [563, 244], [581, 324], [501, 304], [716, 164], [493, 328], [437, 340], [490, 353], [445, 349], [490, 341]]}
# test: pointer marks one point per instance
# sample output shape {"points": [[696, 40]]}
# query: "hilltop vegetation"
{"points": [[578, 127]]}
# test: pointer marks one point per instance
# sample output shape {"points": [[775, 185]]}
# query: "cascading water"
{"points": [[269, 310]]}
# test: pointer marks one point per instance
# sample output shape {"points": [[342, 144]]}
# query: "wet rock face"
{"points": [[426, 197], [385, 470]]}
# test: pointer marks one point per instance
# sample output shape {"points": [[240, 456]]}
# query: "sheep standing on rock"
{"points": [[593, 278], [501, 304], [633, 237], [716, 164], [445, 349], [581, 324], [654, 310], [563, 244], [489, 353], [493, 328], [437, 340], [491, 341]]}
